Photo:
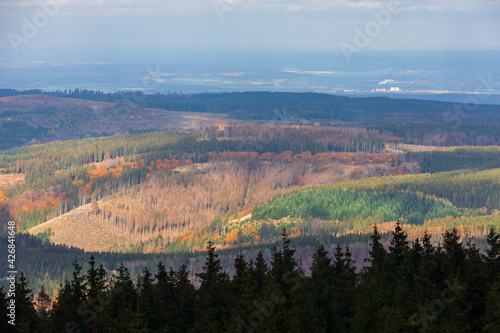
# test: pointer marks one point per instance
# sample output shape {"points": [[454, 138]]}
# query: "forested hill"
{"points": [[35, 116], [282, 105]]}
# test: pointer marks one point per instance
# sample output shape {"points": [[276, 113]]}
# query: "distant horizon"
{"points": [[493, 99], [160, 69]]}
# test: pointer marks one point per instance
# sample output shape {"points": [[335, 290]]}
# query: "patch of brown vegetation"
{"points": [[85, 229], [191, 200], [10, 179]]}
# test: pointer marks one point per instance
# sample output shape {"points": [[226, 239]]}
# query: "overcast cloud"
{"points": [[298, 24], [293, 5]]}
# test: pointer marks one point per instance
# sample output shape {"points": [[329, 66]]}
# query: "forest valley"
{"points": [[230, 173]]}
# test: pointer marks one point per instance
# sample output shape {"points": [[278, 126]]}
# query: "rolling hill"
{"points": [[41, 118]]}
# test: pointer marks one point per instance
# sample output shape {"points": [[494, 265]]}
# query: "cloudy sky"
{"points": [[255, 24]]}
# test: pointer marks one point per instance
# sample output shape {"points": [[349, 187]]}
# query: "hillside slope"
{"points": [[166, 209], [83, 229], [42, 118]]}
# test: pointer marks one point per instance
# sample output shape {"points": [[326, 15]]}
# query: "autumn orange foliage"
{"points": [[171, 164], [116, 172], [256, 239], [244, 213], [3, 197], [186, 236], [399, 170], [78, 182], [36, 201], [232, 236]]}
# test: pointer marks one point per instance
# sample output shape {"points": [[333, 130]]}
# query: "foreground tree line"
{"points": [[417, 287]]}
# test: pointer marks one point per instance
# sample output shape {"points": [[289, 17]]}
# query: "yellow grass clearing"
{"points": [[80, 228], [10, 179], [402, 147]]}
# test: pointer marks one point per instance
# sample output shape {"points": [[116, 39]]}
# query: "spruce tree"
{"points": [[493, 240], [183, 309], [43, 303], [121, 311], [399, 244], [4, 311], [372, 293], [213, 306], [146, 300], [427, 244], [284, 283], [68, 311], [377, 252], [241, 292], [163, 299], [96, 279], [492, 320], [322, 289], [26, 317], [345, 289], [258, 273], [455, 253], [493, 253], [96, 297]]}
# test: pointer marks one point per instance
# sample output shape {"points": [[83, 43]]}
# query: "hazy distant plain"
{"points": [[444, 75]]}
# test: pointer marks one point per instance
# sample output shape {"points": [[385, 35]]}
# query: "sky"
{"points": [[333, 25]]}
